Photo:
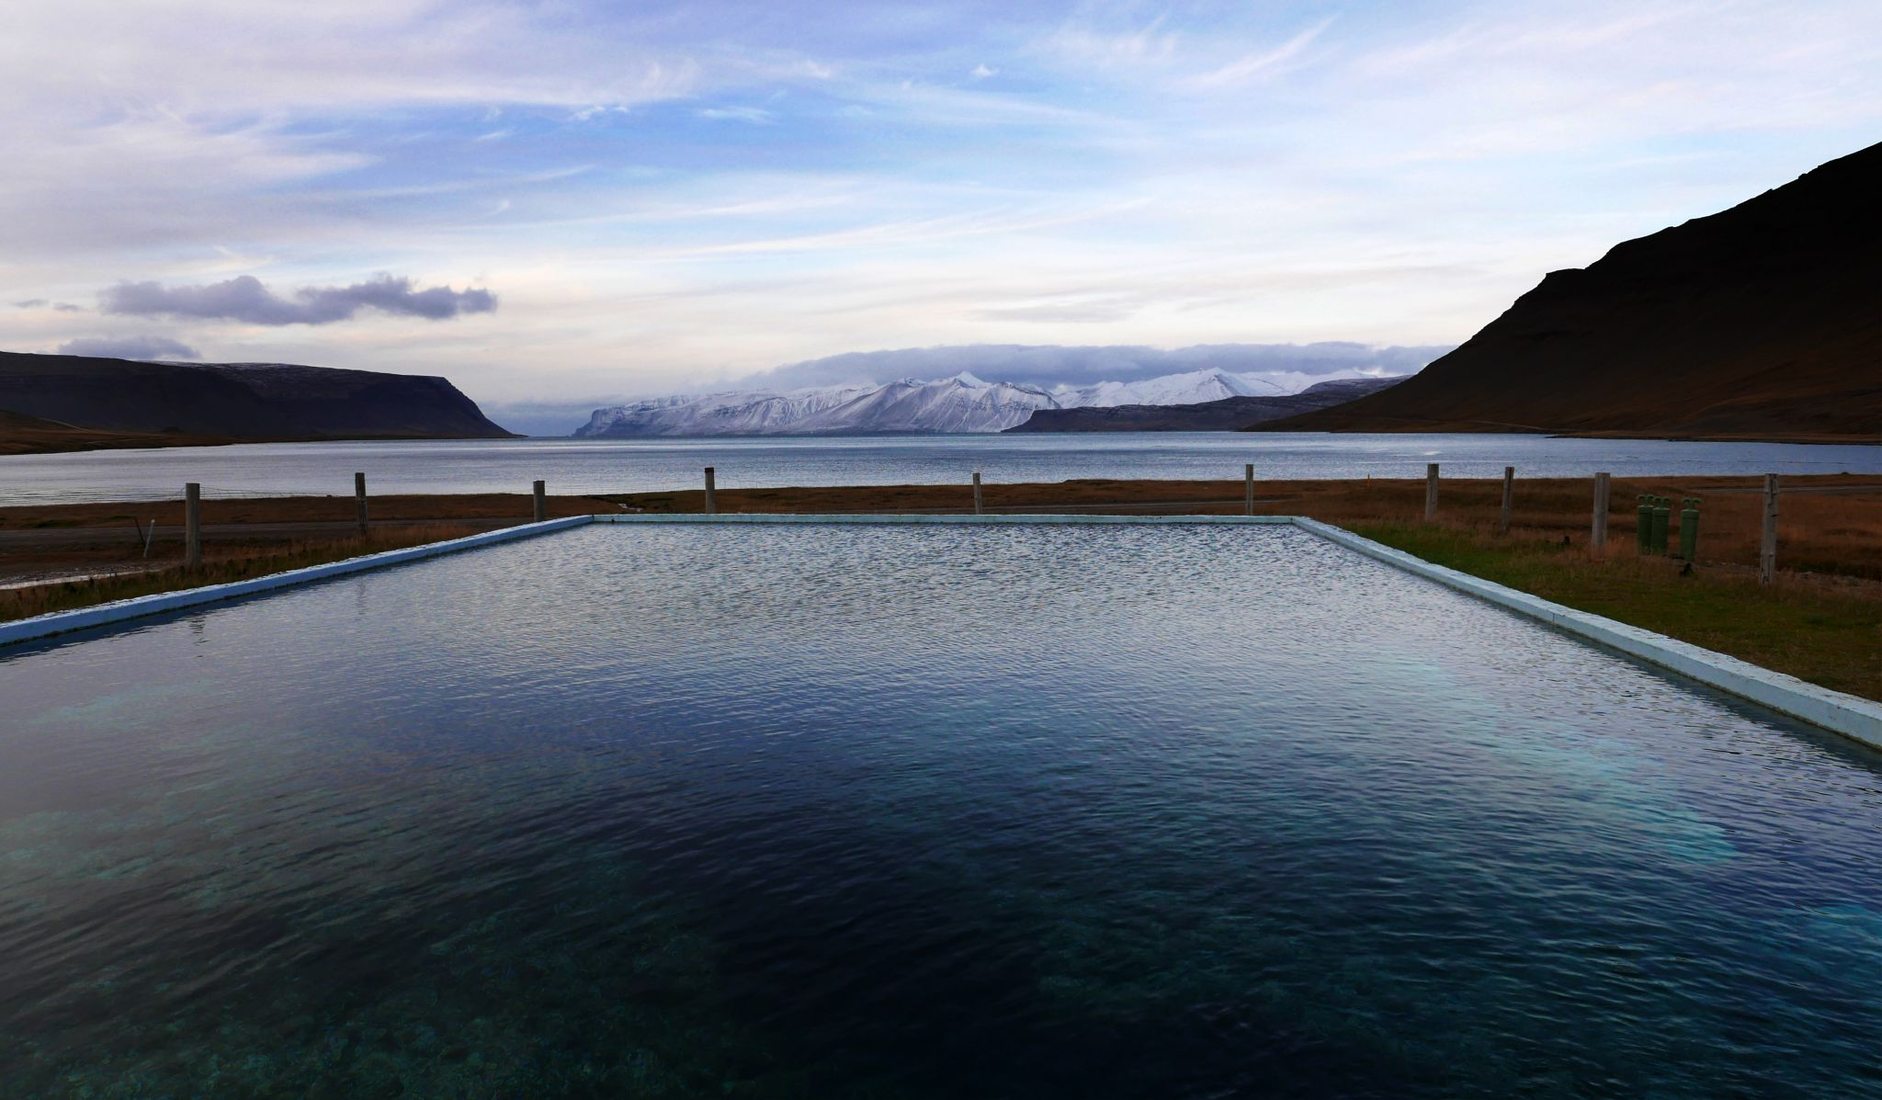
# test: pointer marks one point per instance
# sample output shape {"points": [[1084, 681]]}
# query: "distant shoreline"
{"points": [[42, 441], [36, 441]]}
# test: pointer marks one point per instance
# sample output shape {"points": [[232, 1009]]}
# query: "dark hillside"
{"points": [[235, 402], [1761, 322], [1227, 415]]}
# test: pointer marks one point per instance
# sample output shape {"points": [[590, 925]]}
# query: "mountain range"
{"points": [[961, 403], [1763, 321]]}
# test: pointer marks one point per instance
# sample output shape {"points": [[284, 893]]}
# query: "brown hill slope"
{"points": [[1761, 322], [120, 402], [21, 434]]}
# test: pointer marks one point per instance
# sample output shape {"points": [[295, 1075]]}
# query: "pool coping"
{"points": [[1839, 712], [868, 519], [117, 611], [1852, 716]]}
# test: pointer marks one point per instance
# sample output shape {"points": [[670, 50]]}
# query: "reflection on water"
{"points": [[915, 812], [621, 466]]}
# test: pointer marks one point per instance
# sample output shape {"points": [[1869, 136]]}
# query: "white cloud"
{"points": [[130, 347], [1262, 63], [757, 116]]}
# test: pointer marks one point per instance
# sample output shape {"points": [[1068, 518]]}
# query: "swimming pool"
{"points": [[916, 811]]}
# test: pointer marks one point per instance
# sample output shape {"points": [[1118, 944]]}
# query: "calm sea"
{"points": [[619, 466]]}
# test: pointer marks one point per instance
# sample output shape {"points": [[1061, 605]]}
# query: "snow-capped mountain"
{"points": [[718, 413], [1188, 388], [961, 403]]}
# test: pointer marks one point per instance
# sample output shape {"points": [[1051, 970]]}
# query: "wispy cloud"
{"points": [[757, 116], [1261, 63]]}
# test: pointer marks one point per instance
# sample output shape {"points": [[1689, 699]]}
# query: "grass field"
{"points": [[1821, 629]]}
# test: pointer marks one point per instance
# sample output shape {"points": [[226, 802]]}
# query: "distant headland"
{"points": [[71, 402]]}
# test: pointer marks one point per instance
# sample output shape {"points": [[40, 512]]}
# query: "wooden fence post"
{"points": [[1767, 544], [540, 492], [712, 494], [1431, 492], [359, 500], [1598, 534], [979, 509], [1509, 500], [1248, 489], [193, 525]]}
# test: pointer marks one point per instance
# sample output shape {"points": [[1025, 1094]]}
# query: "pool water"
{"points": [[1154, 811]]}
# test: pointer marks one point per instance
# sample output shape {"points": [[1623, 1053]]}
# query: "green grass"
{"points": [[1815, 629]]}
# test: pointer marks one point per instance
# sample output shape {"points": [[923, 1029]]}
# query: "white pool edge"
{"points": [[868, 519], [137, 607], [1854, 717], [1849, 715]]}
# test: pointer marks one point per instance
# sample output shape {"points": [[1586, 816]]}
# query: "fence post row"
{"points": [[1598, 534], [1767, 542], [193, 525], [712, 494], [539, 492], [1431, 492]]}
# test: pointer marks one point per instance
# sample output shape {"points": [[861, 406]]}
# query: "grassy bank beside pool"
{"points": [[1823, 629]]}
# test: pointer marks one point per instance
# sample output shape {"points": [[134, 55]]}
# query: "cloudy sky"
{"points": [[559, 200]]}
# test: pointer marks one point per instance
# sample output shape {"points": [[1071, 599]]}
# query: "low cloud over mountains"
{"points": [[1053, 365], [130, 347]]}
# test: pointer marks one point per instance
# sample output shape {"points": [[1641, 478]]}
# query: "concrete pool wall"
{"points": [[1854, 717]]}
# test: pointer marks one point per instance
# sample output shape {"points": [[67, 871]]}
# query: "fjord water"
{"points": [[647, 465], [896, 812]]}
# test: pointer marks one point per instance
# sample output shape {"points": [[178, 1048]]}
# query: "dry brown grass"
{"points": [[1824, 629]]}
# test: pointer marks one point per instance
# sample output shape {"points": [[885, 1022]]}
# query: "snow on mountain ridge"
{"points": [[1187, 388], [962, 402]]}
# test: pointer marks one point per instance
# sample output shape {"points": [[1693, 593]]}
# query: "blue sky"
{"points": [[663, 197]]}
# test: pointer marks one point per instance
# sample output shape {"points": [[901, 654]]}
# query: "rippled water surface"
{"points": [[645, 465], [935, 812]]}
